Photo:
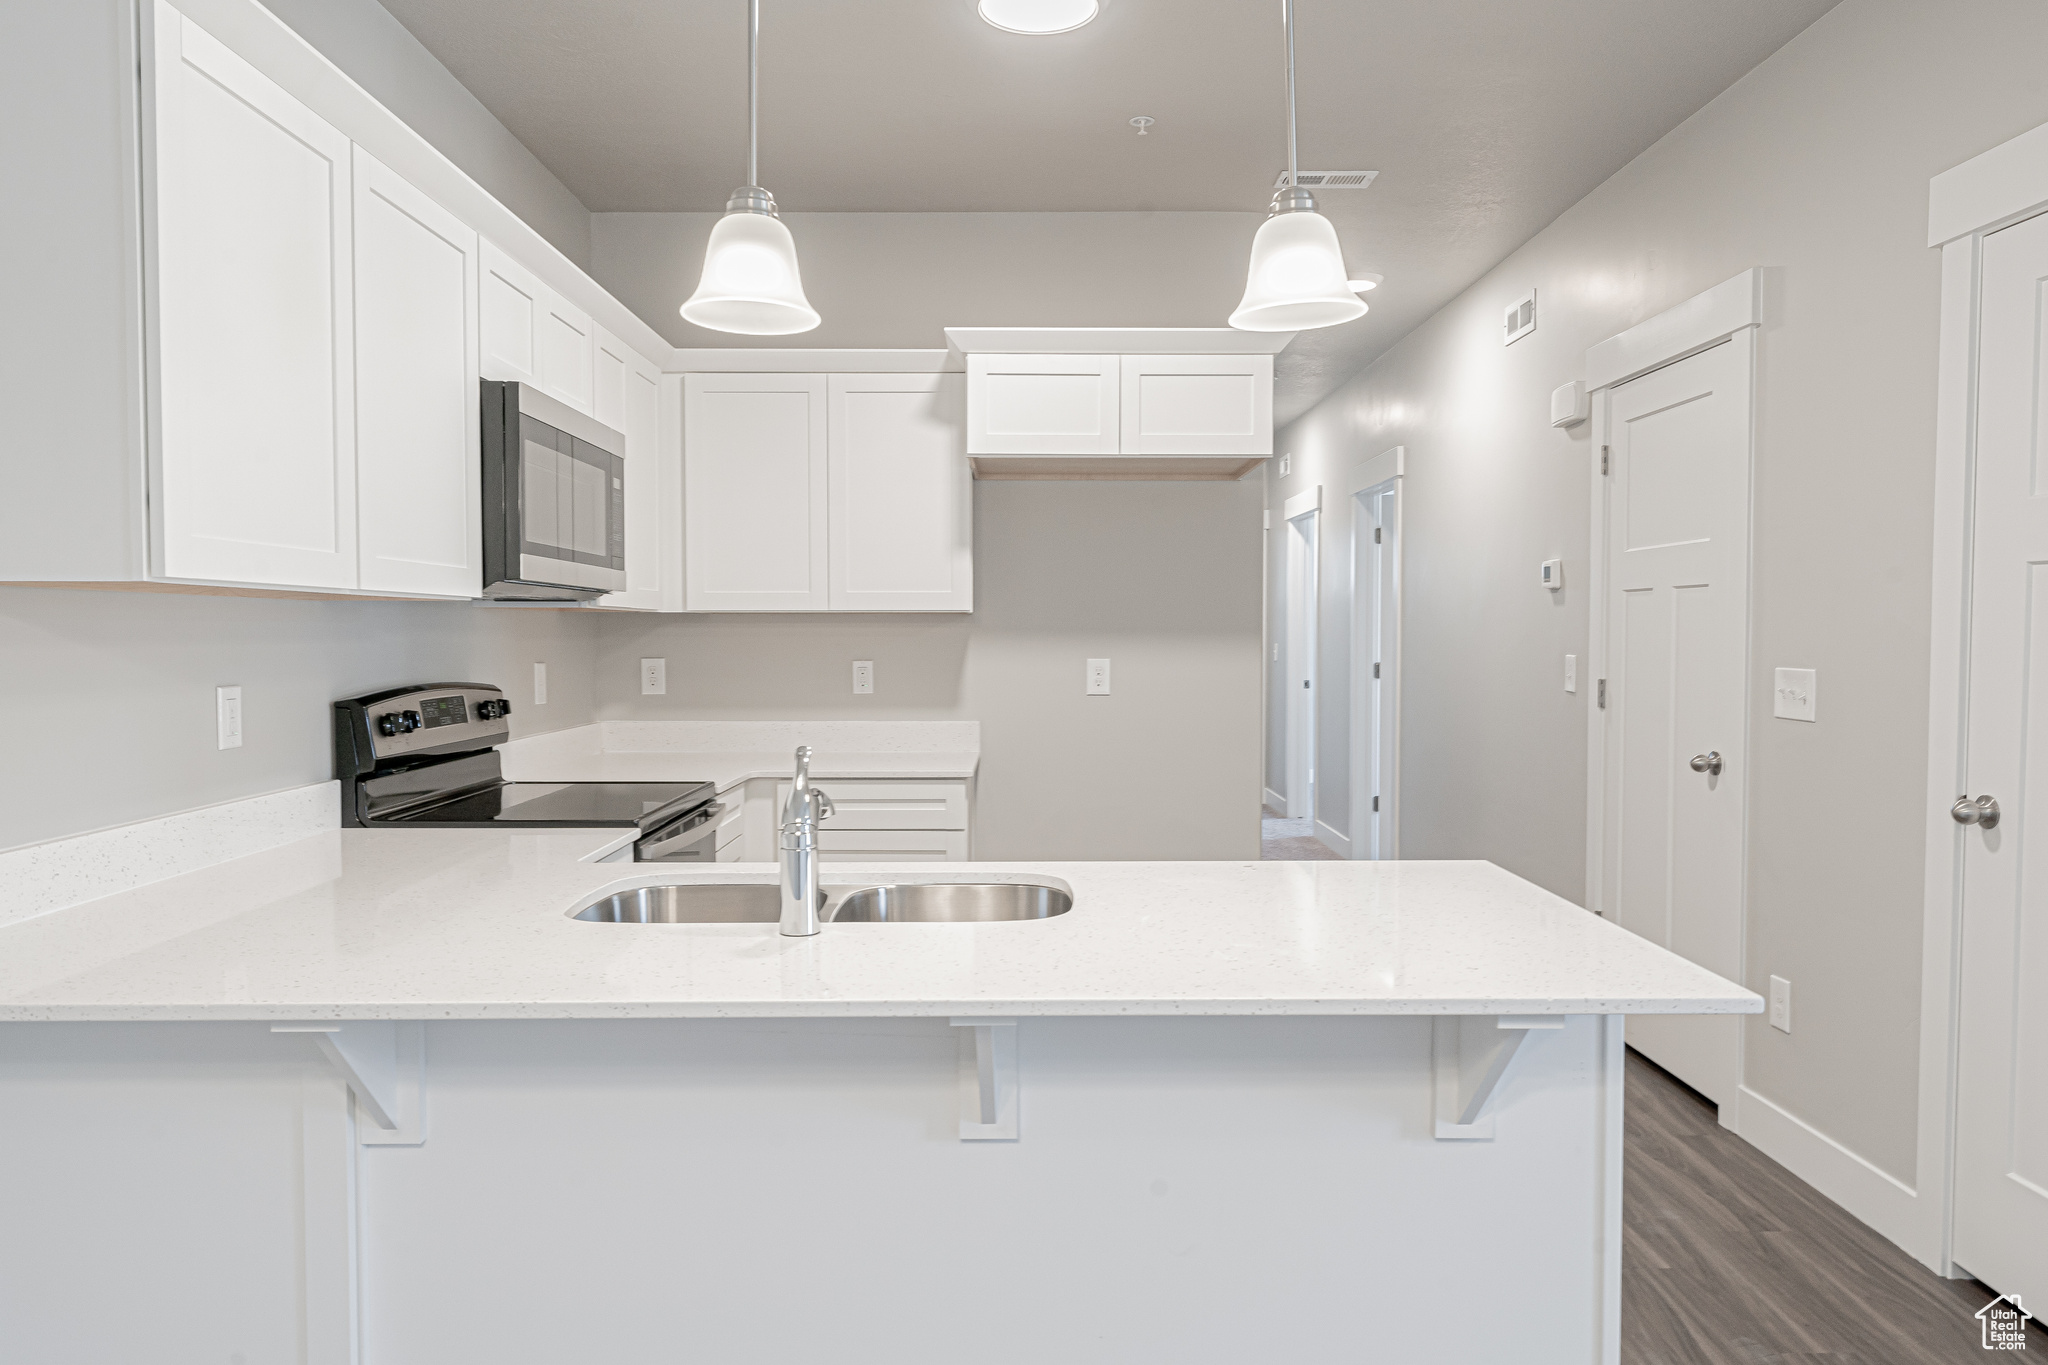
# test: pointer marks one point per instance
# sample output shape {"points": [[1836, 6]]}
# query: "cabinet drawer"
{"points": [[892, 846], [889, 804], [730, 853], [731, 826]]}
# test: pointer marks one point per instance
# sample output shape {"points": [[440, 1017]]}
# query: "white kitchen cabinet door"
{"points": [[901, 496], [892, 846], [1197, 405], [418, 468], [627, 395], [1043, 404], [534, 336], [754, 479], [255, 447]]}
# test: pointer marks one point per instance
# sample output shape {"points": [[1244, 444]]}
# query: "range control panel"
{"points": [[441, 718]]}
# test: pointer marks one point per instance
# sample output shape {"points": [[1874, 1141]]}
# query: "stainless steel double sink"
{"points": [[900, 903]]}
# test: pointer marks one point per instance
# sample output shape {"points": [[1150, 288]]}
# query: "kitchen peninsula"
{"points": [[377, 1093]]}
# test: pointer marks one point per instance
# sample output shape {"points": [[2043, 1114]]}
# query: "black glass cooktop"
{"points": [[646, 804]]}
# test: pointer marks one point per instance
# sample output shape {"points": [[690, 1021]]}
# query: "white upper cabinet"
{"points": [[1043, 404], [534, 336], [754, 481], [255, 478], [418, 472], [627, 396], [901, 497], [1197, 405]]}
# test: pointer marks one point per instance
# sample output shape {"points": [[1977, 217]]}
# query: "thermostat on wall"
{"points": [[1553, 574], [1568, 405]]}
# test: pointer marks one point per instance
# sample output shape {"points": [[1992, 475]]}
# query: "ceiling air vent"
{"points": [[1327, 180]]}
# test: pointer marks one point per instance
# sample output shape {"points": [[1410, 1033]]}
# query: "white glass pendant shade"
{"points": [[1297, 278], [1038, 16], [750, 283]]}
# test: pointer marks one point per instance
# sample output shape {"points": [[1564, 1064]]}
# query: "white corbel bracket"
{"points": [[1472, 1054], [988, 1079], [384, 1064]]}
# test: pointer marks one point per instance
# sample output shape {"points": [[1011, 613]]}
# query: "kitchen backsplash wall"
{"points": [[1160, 578], [110, 696]]}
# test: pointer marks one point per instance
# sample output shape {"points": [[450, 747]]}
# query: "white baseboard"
{"points": [[1328, 837], [1275, 801], [1875, 1196], [39, 878]]}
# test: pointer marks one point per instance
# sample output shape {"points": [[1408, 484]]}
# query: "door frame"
{"points": [[1966, 204], [1381, 474], [1305, 613]]}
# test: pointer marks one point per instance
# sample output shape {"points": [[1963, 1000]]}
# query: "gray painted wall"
{"points": [[1161, 578], [362, 38], [110, 695], [1814, 166]]}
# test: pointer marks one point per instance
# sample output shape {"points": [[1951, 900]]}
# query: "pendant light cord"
{"points": [[1287, 17], [754, 82]]}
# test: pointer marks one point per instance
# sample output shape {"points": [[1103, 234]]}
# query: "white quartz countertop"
{"points": [[728, 753], [474, 924]]}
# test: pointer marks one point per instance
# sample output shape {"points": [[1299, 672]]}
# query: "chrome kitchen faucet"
{"points": [[801, 895]]}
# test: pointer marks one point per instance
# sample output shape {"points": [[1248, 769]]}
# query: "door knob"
{"points": [[1983, 811], [1708, 763]]}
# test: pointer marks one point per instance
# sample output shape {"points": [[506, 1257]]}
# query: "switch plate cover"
{"points": [[1781, 1004], [1792, 694], [1098, 677], [1571, 672], [540, 684], [653, 677], [227, 709], [863, 677]]}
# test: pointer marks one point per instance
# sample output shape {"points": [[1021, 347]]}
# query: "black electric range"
{"points": [[426, 756]]}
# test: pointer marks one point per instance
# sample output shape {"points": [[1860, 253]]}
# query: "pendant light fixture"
{"points": [[1297, 278], [750, 282]]}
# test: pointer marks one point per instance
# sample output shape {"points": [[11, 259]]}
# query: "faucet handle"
{"points": [[826, 810]]}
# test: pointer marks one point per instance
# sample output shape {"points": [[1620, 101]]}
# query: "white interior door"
{"points": [[1374, 528], [1301, 665], [256, 441], [1677, 622], [754, 479], [2001, 1174], [418, 473], [901, 495]]}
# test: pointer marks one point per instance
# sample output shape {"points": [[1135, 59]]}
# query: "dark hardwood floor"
{"points": [[1730, 1259]]}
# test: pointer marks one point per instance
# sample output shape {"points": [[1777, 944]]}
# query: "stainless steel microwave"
{"points": [[554, 499]]}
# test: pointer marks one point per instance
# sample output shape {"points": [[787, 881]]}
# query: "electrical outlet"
{"points": [[1781, 1004], [540, 684], [653, 677], [1571, 672], [863, 677], [227, 716], [1098, 677], [1792, 693]]}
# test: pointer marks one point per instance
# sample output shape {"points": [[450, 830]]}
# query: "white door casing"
{"points": [[1374, 486], [901, 500], [1303, 513], [1674, 613], [251, 257], [754, 476], [2001, 1104], [418, 475]]}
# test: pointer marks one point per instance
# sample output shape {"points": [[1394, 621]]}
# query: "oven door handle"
{"points": [[701, 828]]}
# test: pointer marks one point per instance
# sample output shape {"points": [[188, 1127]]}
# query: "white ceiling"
{"points": [[1485, 118]]}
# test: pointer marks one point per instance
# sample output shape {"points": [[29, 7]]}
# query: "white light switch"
{"points": [[227, 708], [1571, 672], [1781, 1004], [1792, 694], [540, 684], [1098, 677], [863, 677], [653, 677]]}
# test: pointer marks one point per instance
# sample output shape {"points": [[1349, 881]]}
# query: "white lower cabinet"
{"points": [[417, 471], [254, 479], [892, 820], [809, 492]]}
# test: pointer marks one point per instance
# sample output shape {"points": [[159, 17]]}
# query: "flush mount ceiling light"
{"points": [[750, 282], [1297, 278], [1039, 16]]}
